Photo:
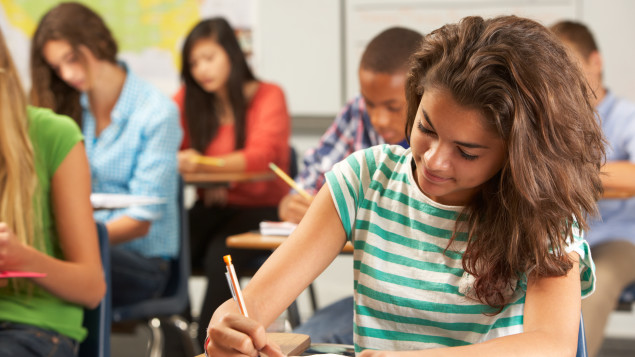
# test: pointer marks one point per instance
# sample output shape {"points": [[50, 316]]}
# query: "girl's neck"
{"points": [[107, 83], [222, 96]]}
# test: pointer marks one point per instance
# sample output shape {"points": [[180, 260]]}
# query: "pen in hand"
{"points": [[232, 280]]}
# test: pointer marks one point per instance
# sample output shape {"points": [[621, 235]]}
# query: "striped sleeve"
{"points": [[345, 184], [587, 267]]}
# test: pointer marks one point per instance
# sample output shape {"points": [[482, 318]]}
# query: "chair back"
{"points": [[582, 352], [293, 163], [627, 298], [98, 320]]}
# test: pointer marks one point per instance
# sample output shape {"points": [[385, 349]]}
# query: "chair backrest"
{"points": [[97, 321], [581, 340], [176, 296], [293, 163], [627, 298]]}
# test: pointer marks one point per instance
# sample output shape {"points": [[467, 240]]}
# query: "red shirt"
{"points": [[267, 140]]}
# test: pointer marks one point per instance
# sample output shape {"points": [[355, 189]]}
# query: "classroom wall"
{"points": [[311, 75], [311, 48]]}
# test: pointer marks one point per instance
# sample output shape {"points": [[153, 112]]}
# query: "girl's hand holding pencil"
{"points": [[190, 159]]}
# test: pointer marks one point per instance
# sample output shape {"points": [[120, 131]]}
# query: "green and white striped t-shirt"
{"points": [[409, 294]]}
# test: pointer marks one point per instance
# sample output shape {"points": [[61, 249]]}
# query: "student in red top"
{"points": [[227, 113]]}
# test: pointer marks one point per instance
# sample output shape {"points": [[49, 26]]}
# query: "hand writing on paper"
{"points": [[293, 207], [12, 251], [236, 335]]}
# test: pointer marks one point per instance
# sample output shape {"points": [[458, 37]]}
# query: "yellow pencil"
{"points": [[207, 160], [290, 181]]}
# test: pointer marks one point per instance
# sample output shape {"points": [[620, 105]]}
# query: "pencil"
{"points": [[208, 160], [232, 279], [289, 181]]}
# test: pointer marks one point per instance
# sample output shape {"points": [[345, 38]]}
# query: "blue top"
{"points": [[137, 154], [618, 215], [351, 131]]}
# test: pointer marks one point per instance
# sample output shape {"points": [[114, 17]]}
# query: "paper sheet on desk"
{"points": [[114, 200], [271, 228]]}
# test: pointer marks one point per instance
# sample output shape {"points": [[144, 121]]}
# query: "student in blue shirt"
{"points": [[132, 136], [612, 236]]}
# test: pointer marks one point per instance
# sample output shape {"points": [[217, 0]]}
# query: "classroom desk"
{"points": [[292, 344], [223, 178], [254, 240], [617, 194]]}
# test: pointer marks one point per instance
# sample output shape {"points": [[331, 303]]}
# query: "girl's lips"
{"points": [[433, 178]]}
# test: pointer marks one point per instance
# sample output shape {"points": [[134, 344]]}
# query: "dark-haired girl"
{"points": [[228, 114]]}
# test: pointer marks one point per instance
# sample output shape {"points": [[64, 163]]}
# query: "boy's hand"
{"points": [[293, 207]]}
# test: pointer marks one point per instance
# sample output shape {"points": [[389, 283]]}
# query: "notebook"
{"points": [[271, 228]]}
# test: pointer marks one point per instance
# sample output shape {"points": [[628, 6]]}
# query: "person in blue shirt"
{"points": [[612, 236], [132, 135]]}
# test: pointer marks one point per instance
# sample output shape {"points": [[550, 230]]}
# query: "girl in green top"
{"points": [[46, 226]]}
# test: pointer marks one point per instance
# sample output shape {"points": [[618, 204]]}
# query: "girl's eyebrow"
{"points": [[460, 143]]}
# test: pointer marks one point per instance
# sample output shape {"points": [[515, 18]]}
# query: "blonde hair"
{"points": [[18, 179]]}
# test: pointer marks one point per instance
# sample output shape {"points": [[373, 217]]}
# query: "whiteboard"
{"points": [[297, 44], [366, 18]]}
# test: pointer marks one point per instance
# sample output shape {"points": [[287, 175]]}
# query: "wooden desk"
{"points": [[223, 178], [617, 194], [292, 344], [253, 240]]}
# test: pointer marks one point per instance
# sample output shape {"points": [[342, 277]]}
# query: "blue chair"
{"points": [[174, 301], [627, 298], [582, 352], [98, 320]]}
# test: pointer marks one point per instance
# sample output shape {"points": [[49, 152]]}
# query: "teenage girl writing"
{"points": [[468, 243]]}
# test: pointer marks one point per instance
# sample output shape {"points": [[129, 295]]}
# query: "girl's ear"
{"points": [[595, 62]]}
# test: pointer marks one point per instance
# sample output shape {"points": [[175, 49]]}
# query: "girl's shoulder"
{"points": [[43, 123], [266, 91], [381, 158]]}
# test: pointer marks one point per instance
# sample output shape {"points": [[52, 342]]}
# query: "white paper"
{"points": [[115, 200], [271, 228]]}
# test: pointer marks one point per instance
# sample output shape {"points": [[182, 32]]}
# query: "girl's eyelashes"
{"points": [[424, 130], [429, 132], [467, 156]]}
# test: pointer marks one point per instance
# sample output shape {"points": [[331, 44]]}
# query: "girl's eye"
{"points": [[424, 130], [467, 156], [394, 109]]}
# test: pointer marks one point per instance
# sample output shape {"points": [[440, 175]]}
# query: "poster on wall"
{"points": [[149, 33]]}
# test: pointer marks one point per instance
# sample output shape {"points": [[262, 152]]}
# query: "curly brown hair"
{"points": [[519, 76]]}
